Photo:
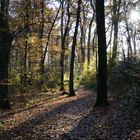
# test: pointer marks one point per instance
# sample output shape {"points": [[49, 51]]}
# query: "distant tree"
{"points": [[41, 32], [115, 24], [26, 46], [83, 33], [129, 36], [89, 32], [48, 40], [102, 56]]}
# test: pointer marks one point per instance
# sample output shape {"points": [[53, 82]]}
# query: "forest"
{"points": [[69, 70]]}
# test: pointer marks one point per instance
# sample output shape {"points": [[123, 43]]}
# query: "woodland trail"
{"points": [[69, 118]]}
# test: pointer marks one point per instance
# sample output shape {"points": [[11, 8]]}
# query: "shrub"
{"points": [[133, 98], [124, 81], [88, 79], [88, 75]]}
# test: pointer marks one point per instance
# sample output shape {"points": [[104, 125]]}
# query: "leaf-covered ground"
{"points": [[71, 118]]}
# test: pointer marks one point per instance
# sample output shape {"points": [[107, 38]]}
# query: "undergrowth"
{"points": [[124, 81]]}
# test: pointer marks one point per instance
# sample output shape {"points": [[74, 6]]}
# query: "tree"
{"points": [[62, 55], [115, 23], [7, 35], [26, 48], [71, 78], [40, 34], [83, 33], [5, 44], [63, 39], [48, 39], [89, 33], [102, 56]]}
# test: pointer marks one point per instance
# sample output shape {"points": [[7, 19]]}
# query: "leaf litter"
{"points": [[72, 118]]}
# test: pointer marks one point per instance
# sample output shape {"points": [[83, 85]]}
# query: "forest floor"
{"points": [[71, 118]]}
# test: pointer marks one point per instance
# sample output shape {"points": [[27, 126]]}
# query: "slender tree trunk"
{"points": [[63, 40], [62, 55], [130, 52], [26, 43], [89, 34], [134, 42], [102, 56], [83, 34], [89, 38], [48, 39], [123, 52], [25, 62], [71, 79], [41, 31], [82, 43], [115, 23], [94, 42]]}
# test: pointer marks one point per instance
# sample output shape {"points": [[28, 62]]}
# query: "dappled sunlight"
{"points": [[135, 134], [54, 116]]}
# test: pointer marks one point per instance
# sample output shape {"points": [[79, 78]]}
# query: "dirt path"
{"points": [[72, 118]]}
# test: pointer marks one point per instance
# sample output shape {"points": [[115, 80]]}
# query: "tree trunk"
{"points": [[82, 43], [63, 39], [62, 55], [40, 34], [130, 52], [115, 23], [71, 79], [27, 30], [89, 34], [102, 56], [5, 45], [48, 39], [4, 60], [134, 42]]}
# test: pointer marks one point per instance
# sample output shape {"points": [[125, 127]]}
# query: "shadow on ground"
{"points": [[40, 126], [110, 123], [75, 120]]}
